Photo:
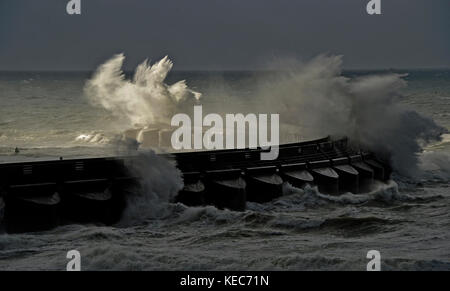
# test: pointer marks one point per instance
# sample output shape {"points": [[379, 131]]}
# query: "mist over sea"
{"points": [[48, 115]]}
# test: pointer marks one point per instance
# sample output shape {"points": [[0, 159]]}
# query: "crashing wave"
{"points": [[142, 101]]}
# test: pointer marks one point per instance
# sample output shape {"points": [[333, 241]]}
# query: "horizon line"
{"points": [[218, 70]]}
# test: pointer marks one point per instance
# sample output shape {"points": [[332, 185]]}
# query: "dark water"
{"points": [[407, 219]]}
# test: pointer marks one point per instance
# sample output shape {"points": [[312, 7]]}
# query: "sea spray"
{"points": [[143, 101], [435, 165], [159, 182], [314, 98], [319, 100]]}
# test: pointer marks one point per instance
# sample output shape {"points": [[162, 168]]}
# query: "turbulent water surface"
{"points": [[48, 115]]}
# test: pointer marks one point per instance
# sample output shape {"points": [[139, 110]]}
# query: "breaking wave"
{"points": [[316, 97], [143, 101], [93, 138], [160, 181], [294, 200]]}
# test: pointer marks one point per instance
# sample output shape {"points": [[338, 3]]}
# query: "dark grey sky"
{"points": [[223, 34]]}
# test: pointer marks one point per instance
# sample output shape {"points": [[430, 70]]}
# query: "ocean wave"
{"points": [[93, 138], [144, 100], [276, 213], [161, 181]]}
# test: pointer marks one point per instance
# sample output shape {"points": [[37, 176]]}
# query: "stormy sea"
{"points": [[47, 115]]}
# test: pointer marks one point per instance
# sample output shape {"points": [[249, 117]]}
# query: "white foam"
{"points": [[93, 138], [143, 101], [161, 181], [317, 98]]}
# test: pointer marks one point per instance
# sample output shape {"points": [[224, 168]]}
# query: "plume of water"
{"points": [[159, 183], [145, 100], [317, 98], [314, 97]]}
